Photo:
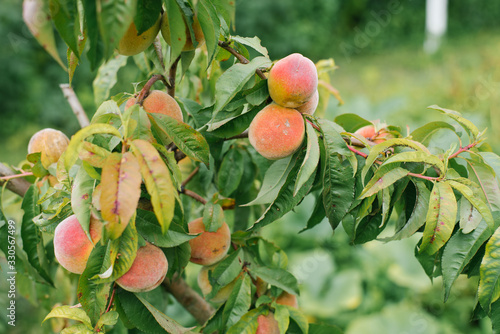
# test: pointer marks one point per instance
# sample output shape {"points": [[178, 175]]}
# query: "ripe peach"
{"points": [[132, 44], [51, 143], [276, 132], [206, 287], [160, 102], [147, 272], [310, 106], [209, 247], [375, 136], [72, 247], [293, 81], [267, 324], [198, 33], [287, 299]]}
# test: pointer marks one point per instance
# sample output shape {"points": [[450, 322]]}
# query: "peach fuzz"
{"points": [[147, 271], [267, 324], [208, 247], [72, 247], [131, 43], [276, 132], [160, 102], [51, 143], [310, 106], [292, 81]]}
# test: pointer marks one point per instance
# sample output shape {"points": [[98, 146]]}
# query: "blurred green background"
{"points": [[374, 288]]}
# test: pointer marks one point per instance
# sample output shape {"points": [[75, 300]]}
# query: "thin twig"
{"points": [[240, 57], [462, 149], [10, 177], [190, 176], [194, 195], [244, 134], [145, 90], [75, 105], [17, 185], [111, 299], [171, 77]]}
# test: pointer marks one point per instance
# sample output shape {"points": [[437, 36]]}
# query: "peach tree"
{"points": [[215, 143]]}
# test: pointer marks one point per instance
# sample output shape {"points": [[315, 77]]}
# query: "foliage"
{"points": [[127, 163]]}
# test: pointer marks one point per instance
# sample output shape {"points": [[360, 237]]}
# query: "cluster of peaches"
{"points": [[278, 130]]}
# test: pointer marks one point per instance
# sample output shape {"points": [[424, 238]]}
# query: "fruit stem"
{"points": [[171, 77], [240, 57], [194, 195], [111, 300], [190, 176], [145, 90]]}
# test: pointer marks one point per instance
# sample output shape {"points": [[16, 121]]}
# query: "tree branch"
{"points": [[190, 176], [189, 299], [240, 57], [75, 105], [17, 185], [194, 195]]}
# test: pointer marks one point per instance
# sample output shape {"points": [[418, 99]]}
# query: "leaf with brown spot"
{"points": [[158, 181], [93, 154], [121, 189]]}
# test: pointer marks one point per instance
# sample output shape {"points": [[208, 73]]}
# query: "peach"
{"points": [[198, 33], [130, 102], [209, 247], [276, 132], [51, 143], [206, 287], [310, 106], [132, 43], [147, 271], [292, 81], [287, 299], [72, 247], [371, 134], [160, 102], [267, 324]]}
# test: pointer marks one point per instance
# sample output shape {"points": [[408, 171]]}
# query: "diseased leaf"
{"points": [[311, 159], [93, 155], [483, 175], [383, 178], [81, 198], [158, 181], [187, 139], [489, 273], [441, 218], [469, 216], [121, 189], [69, 312]]}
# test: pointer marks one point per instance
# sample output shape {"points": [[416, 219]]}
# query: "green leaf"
{"points": [[233, 125], [177, 28], [37, 17], [77, 329], [482, 174], [213, 216], [311, 159], [421, 157], [95, 52], [121, 189], [230, 172], [108, 319], [107, 77], [441, 218], [178, 257], [299, 318], [277, 277], [274, 179], [225, 272], [489, 273], [469, 216], [324, 329], [459, 251], [282, 316], [234, 79], [81, 198], [187, 139], [210, 25], [418, 215], [158, 181], [93, 155], [170, 325], [476, 202], [253, 42], [149, 228], [91, 294], [31, 236], [424, 133], [383, 178], [69, 312], [238, 302], [317, 216], [468, 126], [76, 143], [64, 14], [114, 18], [248, 323], [351, 122], [147, 14]]}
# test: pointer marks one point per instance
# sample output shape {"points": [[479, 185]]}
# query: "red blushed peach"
{"points": [[310, 106], [276, 132], [72, 247], [147, 272], [292, 81], [287, 299], [51, 143], [209, 247], [375, 136], [267, 324], [160, 102]]}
